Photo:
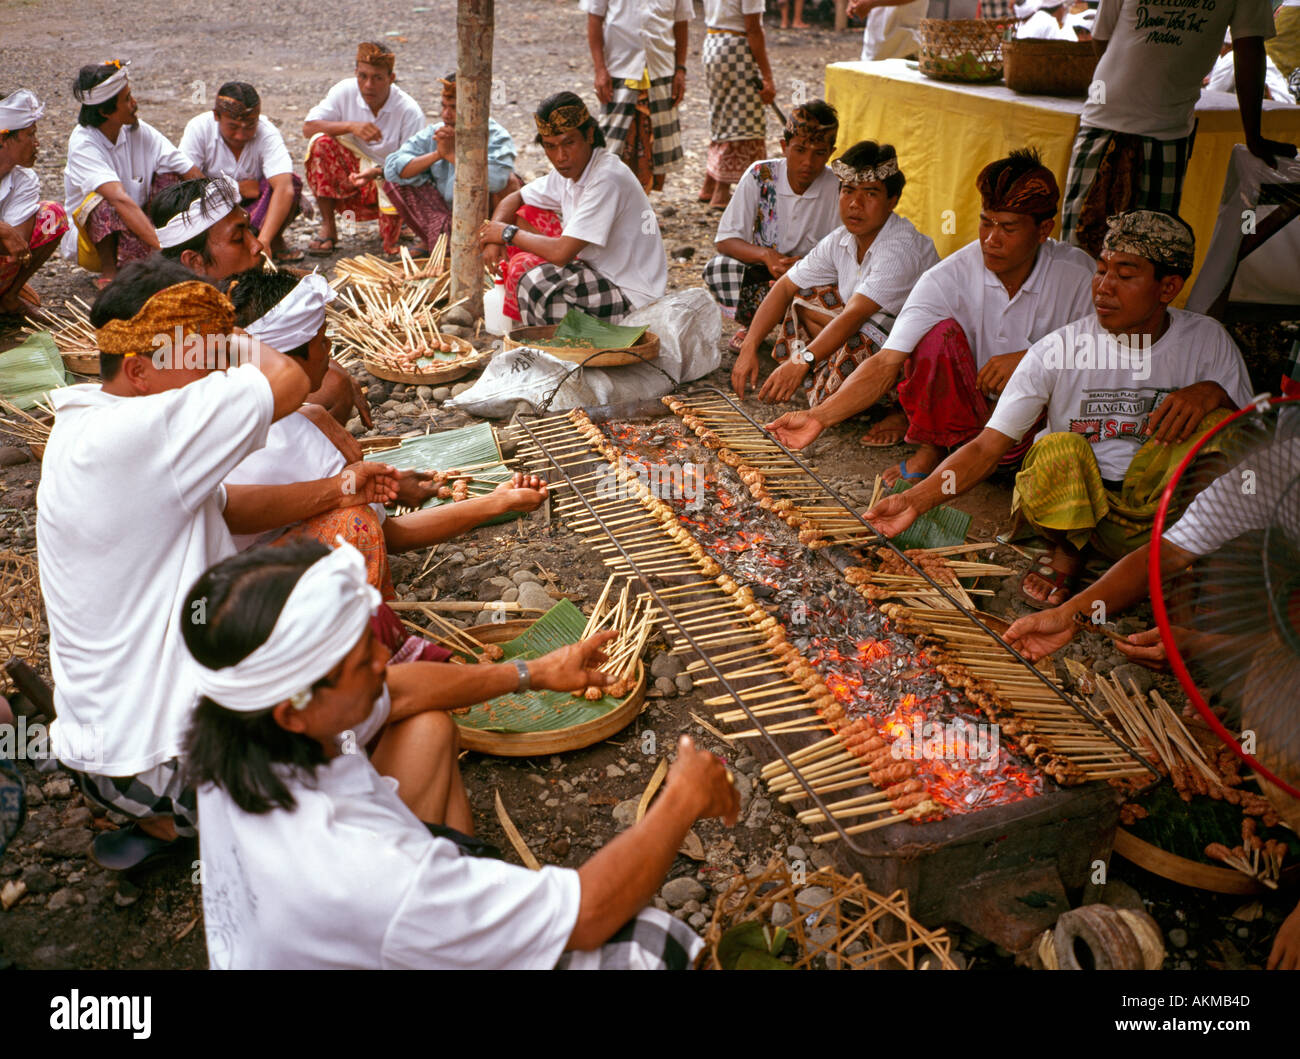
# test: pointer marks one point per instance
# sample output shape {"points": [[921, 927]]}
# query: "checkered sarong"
{"points": [[548, 291], [1159, 184], [159, 791], [653, 941], [735, 109], [620, 113], [723, 276]]}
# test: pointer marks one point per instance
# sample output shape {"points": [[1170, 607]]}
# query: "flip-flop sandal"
{"points": [[1060, 580], [738, 340], [910, 476], [131, 847], [291, 257], [468, 845], [322, 247], [13, 803]]}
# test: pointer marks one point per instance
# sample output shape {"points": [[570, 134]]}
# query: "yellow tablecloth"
{"points": [[946, 133]]}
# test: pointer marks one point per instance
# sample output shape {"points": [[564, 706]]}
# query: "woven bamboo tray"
{"points": [[1049, 67], [433, 376], [588, 356], [962, 49], [81, 363], [1192, 872], [575, 737]]}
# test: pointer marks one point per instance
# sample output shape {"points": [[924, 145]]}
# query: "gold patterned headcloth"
{"points": [[373, 54], [230, 107], [850, 176], [562, 119], [1161, 238], [800, 125], [1034, 192], [448, 87], [197, 308]]}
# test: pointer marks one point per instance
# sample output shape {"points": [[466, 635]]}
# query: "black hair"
{"points": [[868, 153], [95, 114], [126, 295], [256, 292], [229, 613], [569, 99], [819, 111], [241, 92], [1015, 165], [180, 197]]}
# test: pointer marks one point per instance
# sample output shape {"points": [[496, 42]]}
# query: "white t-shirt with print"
{"points": [[801, 220], [1109, 404]]}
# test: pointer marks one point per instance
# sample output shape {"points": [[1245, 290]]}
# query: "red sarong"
{"points": [[328, 166], [517, 261], [51, 223]]}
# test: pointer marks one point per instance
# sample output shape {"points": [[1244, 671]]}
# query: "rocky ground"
{"points": [[66, 912]]}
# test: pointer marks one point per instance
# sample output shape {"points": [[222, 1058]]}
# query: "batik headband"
{"points": [[20, 110], [373, 55], [220, 196], [297, 317], [1159, 237], [322, 620], [234, 108], [1034, 192], [448, 87], [799, 126], [562, 119], [106, 89], [194, 307], [850, 176]]}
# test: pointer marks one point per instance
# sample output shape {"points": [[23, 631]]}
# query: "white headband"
{"points": [[20, 110], [202, 213], [297, 317], [105, 90], [848, 175], [322, 620]]}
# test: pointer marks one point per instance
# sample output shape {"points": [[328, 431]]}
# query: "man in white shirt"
{"points": [[29, 228], [891, 29], [638, 50], [1125, 393], [359, 123], [236, 140], [131, 510], [1044, 20], [1136, 131], [311, 860], [609, 258], [116, 164], [780, 210], [837, 304], [966, 324]]}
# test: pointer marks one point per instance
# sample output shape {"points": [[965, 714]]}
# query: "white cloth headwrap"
{"points": [[105, 90], [297, 317], [20, 110], [202, 213], [322, 620]]}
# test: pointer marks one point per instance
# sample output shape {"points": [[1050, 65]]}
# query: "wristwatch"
{"points": [[807, 355], [522, 667], [508, 234]]}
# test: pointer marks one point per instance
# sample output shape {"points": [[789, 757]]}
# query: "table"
{"points": [[945, 133]]}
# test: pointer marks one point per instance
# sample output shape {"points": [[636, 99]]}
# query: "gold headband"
{"points": [[562, 119], [197, 308], [373, 55], [234, 108]]}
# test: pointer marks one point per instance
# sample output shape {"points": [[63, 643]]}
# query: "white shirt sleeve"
{"points": [[327, 109], [594, 216], [543, 193], [236, 406], [192, 141], [24, 197], [890, 275], [170, 160], [1107, 16], [738, 218], [752, 7], [1026, 394], [1228, 369], [685, 11], [275, 155], [1252, 18], [89, 169], [595, 7], [926, 306], [817, 267]]}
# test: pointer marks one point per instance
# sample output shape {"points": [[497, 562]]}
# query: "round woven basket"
{"points": [[433, 376], [81, 363], [588, 356], [1049, 67], [962, 49]]}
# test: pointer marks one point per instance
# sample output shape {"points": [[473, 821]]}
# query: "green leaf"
{"points": [[582, 329], [30, 371], [449, 450], [937, 528]]}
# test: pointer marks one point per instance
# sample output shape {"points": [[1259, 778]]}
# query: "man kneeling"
{"points": [[310, 859]]}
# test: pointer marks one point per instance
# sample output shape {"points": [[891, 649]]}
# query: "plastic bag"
{"points": [[689, 326]]}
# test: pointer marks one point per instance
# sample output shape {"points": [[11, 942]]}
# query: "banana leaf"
{"points": [[450, 450], [31, 370], [937, 528], [539, 711], [579, 329]]}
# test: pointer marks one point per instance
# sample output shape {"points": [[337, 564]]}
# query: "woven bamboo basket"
{"points": [[1202, 876], [20, 610], [81, 363], [962, 49], [433, 376], [1049, 67], [588, 356]]}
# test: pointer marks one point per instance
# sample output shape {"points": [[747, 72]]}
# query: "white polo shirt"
{"points": [[139, 153], [608, 208], [639, 35], [887, 273], [351, 879], [730, 14], [1106, 400], [1057, 290], [263, 157], [398, 119], [20, 195], [800, 220], [129, 514]]}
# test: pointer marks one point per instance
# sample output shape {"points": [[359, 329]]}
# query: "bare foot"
{"points": [[887, 431], [924, 460], [799, 25]]}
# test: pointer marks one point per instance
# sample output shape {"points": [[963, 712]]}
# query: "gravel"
{"points": [[678, 891]]}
